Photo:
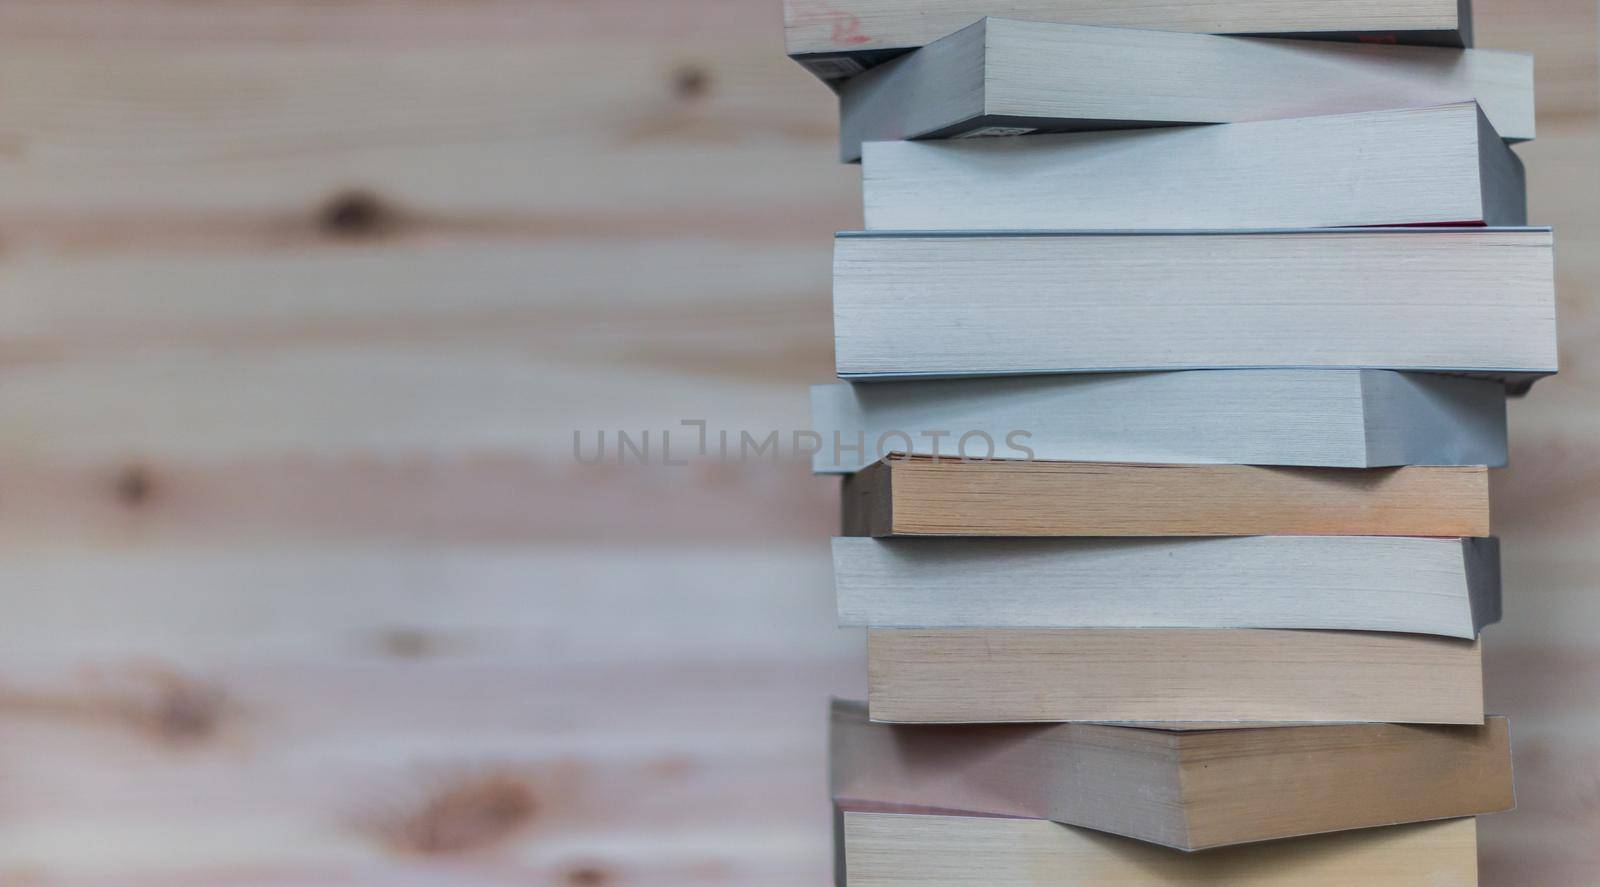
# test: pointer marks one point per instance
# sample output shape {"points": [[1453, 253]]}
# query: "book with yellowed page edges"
{"points": [[881, 848], [1188, 790], [1149, 675], [927, 496]]}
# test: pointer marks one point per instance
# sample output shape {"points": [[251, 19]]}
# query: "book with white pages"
{"points": [[1326, 418], [1443, 165], [1447, 587], [1468, 301], [1008, 77], [837, 39]]}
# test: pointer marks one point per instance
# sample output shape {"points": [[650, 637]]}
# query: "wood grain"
{"points": [[295, 258], [297, 552], [478, 500]]}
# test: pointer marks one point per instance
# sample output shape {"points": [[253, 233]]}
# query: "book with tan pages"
{"points": [[1137, 675], [1183, 789], [923, 496], [887, 849]]}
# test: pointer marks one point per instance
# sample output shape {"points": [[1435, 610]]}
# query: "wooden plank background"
{"points": [[300, 305]]}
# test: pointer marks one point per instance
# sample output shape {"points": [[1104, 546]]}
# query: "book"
{"points": [[1443, 165], [879, 849], [1171, 675], [836, 39], [1007, 77], [1330, 418], [1187, 790], [949, 497], [1475, 301], [1448, 587]]}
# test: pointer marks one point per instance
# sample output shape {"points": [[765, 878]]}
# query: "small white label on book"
{"points": [[989, 132]]}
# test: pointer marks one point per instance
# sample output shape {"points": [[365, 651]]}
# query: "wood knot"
{"points": [[356, 213], [133, 485], [185, 712], [588, 876], [173, 707], [690, 82], [408, 643], [153, 699], [471, 814]]}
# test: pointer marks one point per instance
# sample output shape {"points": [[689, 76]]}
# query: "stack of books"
{"points": [[1173, 366]]}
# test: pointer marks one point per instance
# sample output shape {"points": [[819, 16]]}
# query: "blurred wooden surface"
{"points": [[300, 304]]}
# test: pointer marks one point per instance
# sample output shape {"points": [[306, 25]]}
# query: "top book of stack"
{"points": [[836, 39]]}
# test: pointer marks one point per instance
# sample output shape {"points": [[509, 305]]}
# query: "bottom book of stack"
{"points": [[880, 848], [1096, 804]]}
